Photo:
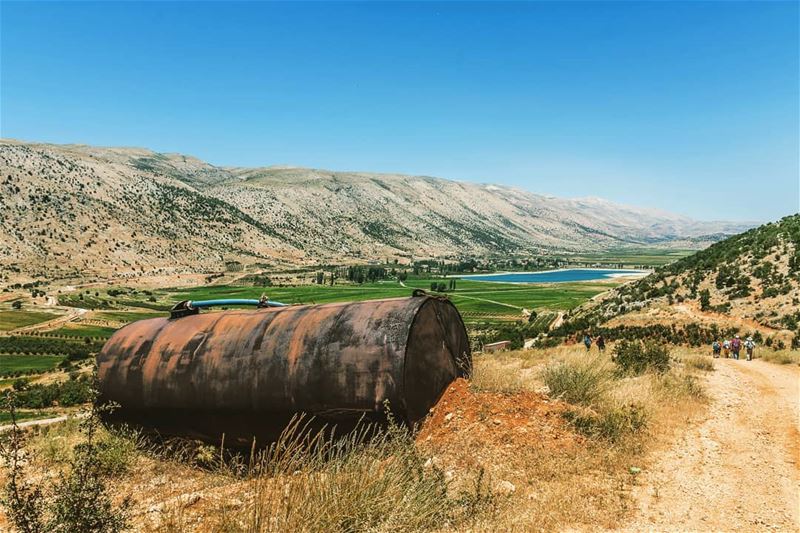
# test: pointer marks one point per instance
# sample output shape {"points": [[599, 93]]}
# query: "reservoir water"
{"points": [[557, 276]]}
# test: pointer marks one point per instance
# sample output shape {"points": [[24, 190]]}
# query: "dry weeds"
{"points": [[496, 454]]}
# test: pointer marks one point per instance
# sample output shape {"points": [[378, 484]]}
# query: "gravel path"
{"points": [[737, 470]]}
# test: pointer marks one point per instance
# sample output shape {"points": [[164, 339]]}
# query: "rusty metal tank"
{"points": [[245, 373]]}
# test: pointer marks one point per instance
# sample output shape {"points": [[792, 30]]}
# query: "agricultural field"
{"points": [[646, 257], [84, 330], [477, 300], [18, 318], [24, 364]]}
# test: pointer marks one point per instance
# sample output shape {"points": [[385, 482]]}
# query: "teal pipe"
{"points": [[233, 301]]}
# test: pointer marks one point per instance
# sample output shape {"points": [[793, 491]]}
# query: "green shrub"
{"points": [[21, 384], [81, 501], [75, 391], [577, 382], [78, 501], [636, 357]]}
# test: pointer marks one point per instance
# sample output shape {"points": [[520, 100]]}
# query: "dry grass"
{"points": [[550, 471], [578, 381], [625, 419], [781, 357], [699, 362], [497, 374]]}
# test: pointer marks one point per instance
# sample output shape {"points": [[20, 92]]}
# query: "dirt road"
{"points": [[738, 469]]}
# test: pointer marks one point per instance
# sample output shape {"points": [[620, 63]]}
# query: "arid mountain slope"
{"points": [[69, 209]]}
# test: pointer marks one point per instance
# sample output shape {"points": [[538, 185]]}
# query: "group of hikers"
{"points": [[731, 348], [599, 341]]}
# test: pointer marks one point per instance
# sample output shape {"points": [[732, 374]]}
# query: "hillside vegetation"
{"points": [[70, 211], [753, 277]]}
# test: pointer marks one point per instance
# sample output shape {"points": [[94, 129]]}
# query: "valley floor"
{"points": [[738, 469]]}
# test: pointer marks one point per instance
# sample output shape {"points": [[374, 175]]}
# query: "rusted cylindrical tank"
{"points": [[245, 373]]}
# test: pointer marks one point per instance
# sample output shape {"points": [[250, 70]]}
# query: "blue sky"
{"points": [[689, 107]]}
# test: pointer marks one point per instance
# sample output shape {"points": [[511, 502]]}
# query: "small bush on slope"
{"points": [[77, 501], [582, 382], [636, 357]]}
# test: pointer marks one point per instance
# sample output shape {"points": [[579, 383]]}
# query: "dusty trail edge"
{"points": [[736, 469]]}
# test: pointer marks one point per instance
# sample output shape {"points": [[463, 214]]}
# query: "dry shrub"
{"points": [[677, 387], [699, 362], [781, 357], [612, 421], [578, 382]]}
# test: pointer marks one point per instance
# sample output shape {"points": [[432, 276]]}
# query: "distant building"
{"points": [[499, 346], [529, 343]]}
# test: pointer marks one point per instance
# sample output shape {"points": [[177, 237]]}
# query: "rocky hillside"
{"points": [[753, 276], [69, 210]]}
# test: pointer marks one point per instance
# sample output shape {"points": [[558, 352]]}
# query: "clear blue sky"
{"points": [[690, 107]]}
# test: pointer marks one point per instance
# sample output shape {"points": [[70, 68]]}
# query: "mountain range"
{"points": [[72, 210]]}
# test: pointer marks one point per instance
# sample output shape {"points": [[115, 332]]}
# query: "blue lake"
{"points": [[556, 276]]}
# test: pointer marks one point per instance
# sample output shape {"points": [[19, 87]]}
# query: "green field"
{"points": [[18, 318], [28, 363], [84, 330], [477, 300]]}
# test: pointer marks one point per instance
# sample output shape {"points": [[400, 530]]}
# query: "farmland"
{"points": [[648, 257], [476, 300], [24, 415], [17, 318], [489, 309], [23, 364], [84, 330]]}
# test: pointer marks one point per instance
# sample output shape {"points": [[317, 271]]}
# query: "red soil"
{"points": [[496, 420]]}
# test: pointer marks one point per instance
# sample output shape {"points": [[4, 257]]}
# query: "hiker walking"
{"points": [[736, 345], [601, 343], [716, 347], [726, 348], [587, 341], [749, 346]]}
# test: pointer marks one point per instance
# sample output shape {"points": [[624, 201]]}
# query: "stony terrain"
{"points": [[123, 212]]}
